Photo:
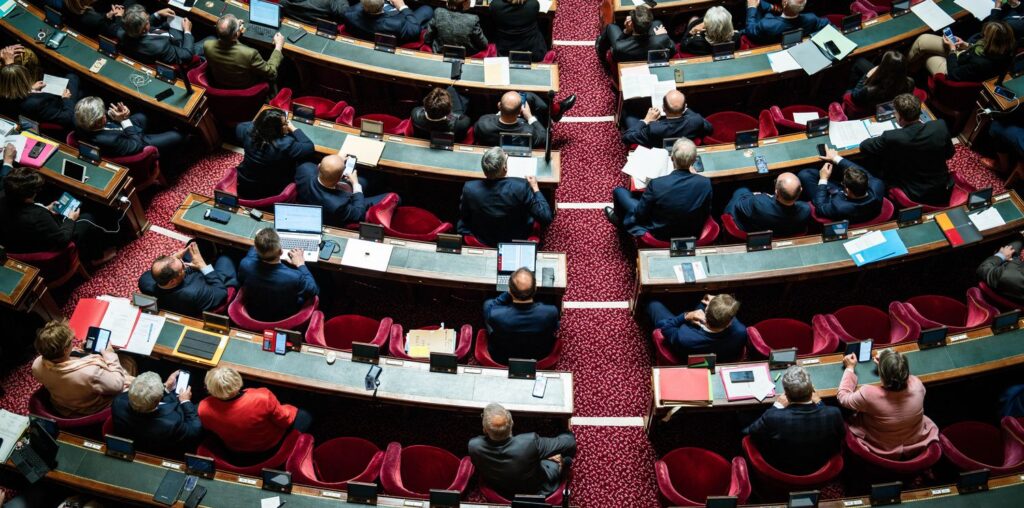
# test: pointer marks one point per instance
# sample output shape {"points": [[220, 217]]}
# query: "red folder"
{"points": [[88, 312], [685, 386]]}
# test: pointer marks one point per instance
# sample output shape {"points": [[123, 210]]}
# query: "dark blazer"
{"points": [[488, 130], [516, 29], [1013, 16], [114, 140], [196, 293], [93, 23], [867, 98], [685, 339], [42, 107], [339, 207], [400, 23], [160, 45], [759, 212], [673, 205], [699, 45], [173, 426], [517, 465], [266, 170], [455, 29], [764, 27], [457, 121], [501, 210], [274, 291], [1005, 277], [799, 438], [837, 206], [689, 125], [307, 11], [29, 227], [630, 48], [519, 330], [970, 65], [913, 158]]}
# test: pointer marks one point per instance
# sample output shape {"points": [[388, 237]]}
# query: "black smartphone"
{"points": [[456, 69], [167, 493], [821, 149], [741, 376], [832, 48], [166, 94], [297, 36], [1005, 93]]}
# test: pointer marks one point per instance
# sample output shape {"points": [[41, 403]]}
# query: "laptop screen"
{"points": [[516, 142], [513, 256], [297, 219], [264, 13]]}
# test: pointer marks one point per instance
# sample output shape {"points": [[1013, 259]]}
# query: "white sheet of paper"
{"points": [[876, 129], [522, 167], [6, 127], [987, 219], [180, 5], [635, 70], [175, 23], [978, 8], [803, 118], [54, 84], [932, 15], [645, 164], [865, 241], [143, 338], [119, 319], [12, 426], [658, 93], [18, 141], [847, 134], [638, 85], [496, 71], [782, 61], [366, 255], [270, 502], [544, 5]]}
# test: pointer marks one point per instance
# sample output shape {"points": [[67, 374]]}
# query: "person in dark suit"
{"points": [[85, 15], [765, 27], [1010, 12], [514, 116], [20, 96], [516, 29], [914, 156], [443, 110], [501, 208], [340, 197], [679, 122], [274, 290], [711, 327], [523, 464], [1007, 133], [309, 11], [151, 39], [782, 212], [639, 34], [273, 147], [1004, 273], [674, 205], [124, 133], [798, 434], [984, 56], [450, 27], [716, 28], [517, 326], [154, 417], [858, 199], [182, 282], [391, 17]]}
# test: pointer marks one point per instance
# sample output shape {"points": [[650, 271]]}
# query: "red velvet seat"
{"points": [[860, 322], [854, 111], [463, 342], [773, 483], [555, 499], [687, 476], [781, 333], [867, 12], [39, 404], [213, 447], [483, 355], [766, 125], [406, 222], [469, 139], [340, 332], [882, 468], [550, 57], [733, 229], [324, 109], [414, 470], [708, 235], [55, 267], [473, 241], [953, 99], [230, 107], [931, 311], [996, 299], [726, 124], [1015, 426], [53, 130], [662, 353], [958, 196], [876, 6], [783, 117], [229, 183], [334, 463], [836, 113], [223, 308], [887, 210], [392, 124], [143, 167], [976, 445], [241, 318]]}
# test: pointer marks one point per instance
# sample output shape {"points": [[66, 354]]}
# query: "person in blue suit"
{"points": [[501, 208], [274, 290], [674, 205], [711, 327], [765, 27], [340, 197], [273, 147], [391, 17], [154, 417], [517, 326], [782, 212], [679, 122], [184, 283], [858, 199]]}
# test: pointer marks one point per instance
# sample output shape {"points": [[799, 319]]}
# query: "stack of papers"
{"points": [[496, 71], [366, 150], [957, 227], [637, 81], [809, 57], [420, 343], [367, 255], [933, 15], [684, 387], [987, 219], [851, 133], [12, 426], [690, 272], [760, 388], [978, 8], [803, 118], [174, 23], [18, 141], [875, 246], [646, 164], [812, 55], [782, 61], [147, 330], [54, 85]]}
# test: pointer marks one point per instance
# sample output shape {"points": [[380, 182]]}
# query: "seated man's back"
{"points": [[781, 212], [711, 327], [500, 208], [231, 64], [308, 11], [156, 419], [274, 290], [674, 205], [518, 326], [765, 27]]}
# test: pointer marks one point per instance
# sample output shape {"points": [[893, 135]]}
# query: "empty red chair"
{"points": [[687, 476], [324, 109], [463, 342], [229, 183], [334, 463], [483, 355], [866, 11], [726, 124], [392, 124], [958, 196], [212, 447], [143, 167], [783, 117], [953, 99], [708, 235], [932, 311], [55, 267], [406, 222], [414, 470], [230, 107], [340, 332], [663, 354], [240, 317], [733, 229], [976, 445], [773, 483], [39, 404], [766, 125], [878, 467], [860, 322], [887, 210], [473, 241], [992, 297], [781, 333], [1014, 426], [876, 6]]}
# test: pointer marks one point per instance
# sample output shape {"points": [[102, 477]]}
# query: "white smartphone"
{"points": [[182, 383], [540, 385], [350, 165]]}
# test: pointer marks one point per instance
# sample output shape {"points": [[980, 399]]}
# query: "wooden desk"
{"points": [[411, 261], [122, 76], [22, 289], [402, 381], [731, 266], [1014, 84]]}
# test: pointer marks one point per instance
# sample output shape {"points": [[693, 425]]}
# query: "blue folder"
{"points": [[892, 247]]}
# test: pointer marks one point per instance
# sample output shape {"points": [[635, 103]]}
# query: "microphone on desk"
{"points": [[547, 141]]}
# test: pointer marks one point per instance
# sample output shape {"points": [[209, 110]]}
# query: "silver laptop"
{"points": [[517, 144], [513, 256], [264, 21], [299, 226]]}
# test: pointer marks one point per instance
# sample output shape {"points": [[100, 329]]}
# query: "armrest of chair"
{"points": [[739, 484], [464, 342]]}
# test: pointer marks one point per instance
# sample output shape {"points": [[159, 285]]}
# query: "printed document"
{"points": [[932, 15], [54, 85]]}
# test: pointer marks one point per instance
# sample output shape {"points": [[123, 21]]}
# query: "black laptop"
{"points": [[39, 456]]}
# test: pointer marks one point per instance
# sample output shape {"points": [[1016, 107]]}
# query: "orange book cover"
{"points": [[685, 386]]}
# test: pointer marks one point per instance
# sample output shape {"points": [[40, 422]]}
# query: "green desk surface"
{"points": [[99, 176], [9, 280], [83, 56], [1016, 85]]}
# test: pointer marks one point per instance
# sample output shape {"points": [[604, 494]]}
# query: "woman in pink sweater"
{"points": [[890, 420]]}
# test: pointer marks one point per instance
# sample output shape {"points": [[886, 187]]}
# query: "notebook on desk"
{"points": [[420, 343], [684, 387], [200, 346]]}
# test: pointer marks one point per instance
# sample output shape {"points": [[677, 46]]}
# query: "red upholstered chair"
{"points": [[976, 445], [783, 117], [836, 20], [414, 470], [392, 124], [887, 210], [708, 235], [483, 355], [781, 333], [931, 311], [766, 125], [229, 183], [241, 318], [726, 124], [108, 426], [687, 476], [473, 241], [212, 447], [773, 483], [882, 468], [746, 43], [231, 107], [1015, 426], [866, 11], [52, 130], [733, 229], [224, 306], [953, 99], [324, 109], [55, 267], [550, 57], [961, 189], [996, 299], [491, 51], [143, 167], [662, 353], [554, 499], [415, 44], [469, 139], [876, 6], [334, 463], [836, 113], [340, 332], [407, 222], [860, 322], [463, 342], [39, 404]]}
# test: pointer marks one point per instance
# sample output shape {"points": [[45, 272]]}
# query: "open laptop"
{"points": [[517, 144], [264, 21], [299, 226], [513, 256], [39, 456]]}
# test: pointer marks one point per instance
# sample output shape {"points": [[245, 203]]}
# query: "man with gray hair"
{"points": [[232, 64], [150, 38], [674, 205], [390, 17], [523, 464], [798, 434], [766, 27], [155, 417], [501, 208], [118, 132]]}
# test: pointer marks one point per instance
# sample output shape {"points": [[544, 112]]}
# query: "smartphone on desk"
{"points": [[741, 376]]}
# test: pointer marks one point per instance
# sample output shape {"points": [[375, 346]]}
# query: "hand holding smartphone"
{"points": [[182, 382]]}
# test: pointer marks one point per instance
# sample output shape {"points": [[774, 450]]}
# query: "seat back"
{"points": [[392, 124], [463, 342], [864, 322], [1000, 301], [938, 310], [341, 331], [726, 124], [783, 117], [229, 106], [973, 445], [663, 354], [39, 404], [212, 447], [781, 333], [766, 124], [344, 459], [921, 462], [687, 476], [414, 470], [229, 183], [733, 229], [778, 483], [240, 316], [55, 267]]}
